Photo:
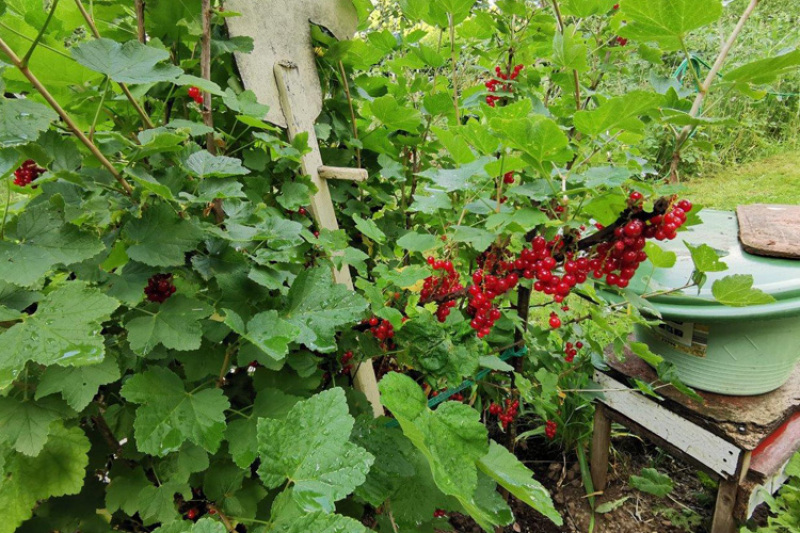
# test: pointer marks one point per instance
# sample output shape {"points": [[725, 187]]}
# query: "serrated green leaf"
{"points": [[613, 505], [204, 165], [765, 70], [569, 50], [25, 426], [311, 448], [538, 137], [617, 114], [652, 482], [78, 385], [643, 350], [659, 257], [176, 325], [161, 237], [168, 415], [459, 179], [502, 466], [705, 258], [64, 330], [131, 62], [318, 306], [22, 120], [418, 242], [201, 83], [369, 228], [157, 503], [39, 241], [58, 470], [666, 22], [318, 523], [738, 291], [267, 332], [394, 116]]}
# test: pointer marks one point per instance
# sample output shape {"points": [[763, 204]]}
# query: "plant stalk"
{"points": [[455, 65], [128, 190], [208, 116], [142, 33], [39, 35], [346, 86]]}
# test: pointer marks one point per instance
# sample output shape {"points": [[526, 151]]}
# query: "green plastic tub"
{"points": [[739, 351]]}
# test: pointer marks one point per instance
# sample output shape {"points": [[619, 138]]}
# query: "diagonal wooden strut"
{"points": [[299, 121]]}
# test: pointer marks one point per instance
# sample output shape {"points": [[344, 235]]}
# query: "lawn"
{"points": [[774, 180]]}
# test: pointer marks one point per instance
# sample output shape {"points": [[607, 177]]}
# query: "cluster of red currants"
{"points": [[498, 82], [347, 367], [439, 286], [508, 178], [28, 172], [196, 94], [382, 329], [486, 288], [550, 429], [507, 415], [439, 513], [571, 350], [622, 41], [159, 288]]}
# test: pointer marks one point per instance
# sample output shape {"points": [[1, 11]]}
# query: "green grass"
{"points": [[774, 180]]}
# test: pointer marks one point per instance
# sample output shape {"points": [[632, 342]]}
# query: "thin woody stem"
{"points": [[208, 116], [65, 117], [39, 35]]}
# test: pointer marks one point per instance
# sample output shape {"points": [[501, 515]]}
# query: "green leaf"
{"points": [[738, 291], [40, 240], [22, 120], [652, 482], [168, 415], [659, 257], [64, 330], [667, 22], [569, 50], [267, 332], [58, 470], [612, 505], [370, 229], [157, 503], [458, 179], [78, 385], [311, 447], [478, 238], [438, 352], [765, 70], [161, 237], [318, 523], [318, 306], [25, 426], [705, 258], [502, 466], [201, 83], [617, 114], [176, 325], [538, 137], [643, 350], [459, 9], [204, 165], [586, 8], [132, 62], [394, 116]]}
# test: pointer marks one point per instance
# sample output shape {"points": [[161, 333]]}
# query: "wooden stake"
{"points": [[300, 120], [601, 440]]}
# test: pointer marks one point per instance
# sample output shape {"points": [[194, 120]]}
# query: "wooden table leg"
{"points": [[601, 441], [723, 513]]}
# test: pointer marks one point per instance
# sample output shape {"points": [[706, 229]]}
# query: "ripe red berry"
{"points": [[191, 514], [555, 322], [508, 178], [302, 211], [160, 288], [439, 513], [196, 94]]}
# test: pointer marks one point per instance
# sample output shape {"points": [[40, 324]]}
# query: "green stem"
{"points": [[8, 206], [690, 65], [452, 25], [99, 109], [41, 32]]}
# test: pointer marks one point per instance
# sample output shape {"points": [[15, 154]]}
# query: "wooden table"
{"points": [[745, 442]]}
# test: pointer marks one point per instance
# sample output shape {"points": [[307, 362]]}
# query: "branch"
{"points": [[142, 33], [346, 86], [65, 117], [560, 21], [705, 87], [88, 18], [208, 116]]}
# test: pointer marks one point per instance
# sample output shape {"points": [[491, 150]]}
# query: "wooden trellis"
{"points": [[281, 71]]}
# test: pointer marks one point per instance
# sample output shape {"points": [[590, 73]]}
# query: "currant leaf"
{"points": [[176, 325]]}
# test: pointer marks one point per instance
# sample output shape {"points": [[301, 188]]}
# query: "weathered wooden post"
{"points": [[282, 72]]}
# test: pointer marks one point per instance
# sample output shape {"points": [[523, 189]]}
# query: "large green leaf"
{"points": [[538, 137], [666, 22], [59, 469], [267, 332], [318, 306], [22, 120], [176, 325], [311, 448], [394, 116], [318, 523], [64, 330], [204, 165], [131, 62], [169, 415], [161, 237], [40, 240], [616, 114], [25, 426], [458, 179], [765, 70], [78, 385], [705, 258], [738, 291]]}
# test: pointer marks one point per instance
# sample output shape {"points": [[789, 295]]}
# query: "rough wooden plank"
{"points": [[776, 450], [719, 455], [338, 173], [744, 420], [300, 120], [770, 230], [281, 31], [601, 441], [724, 522]]}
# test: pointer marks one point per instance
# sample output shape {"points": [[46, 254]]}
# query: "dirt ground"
{"points": [[688, 509]]}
